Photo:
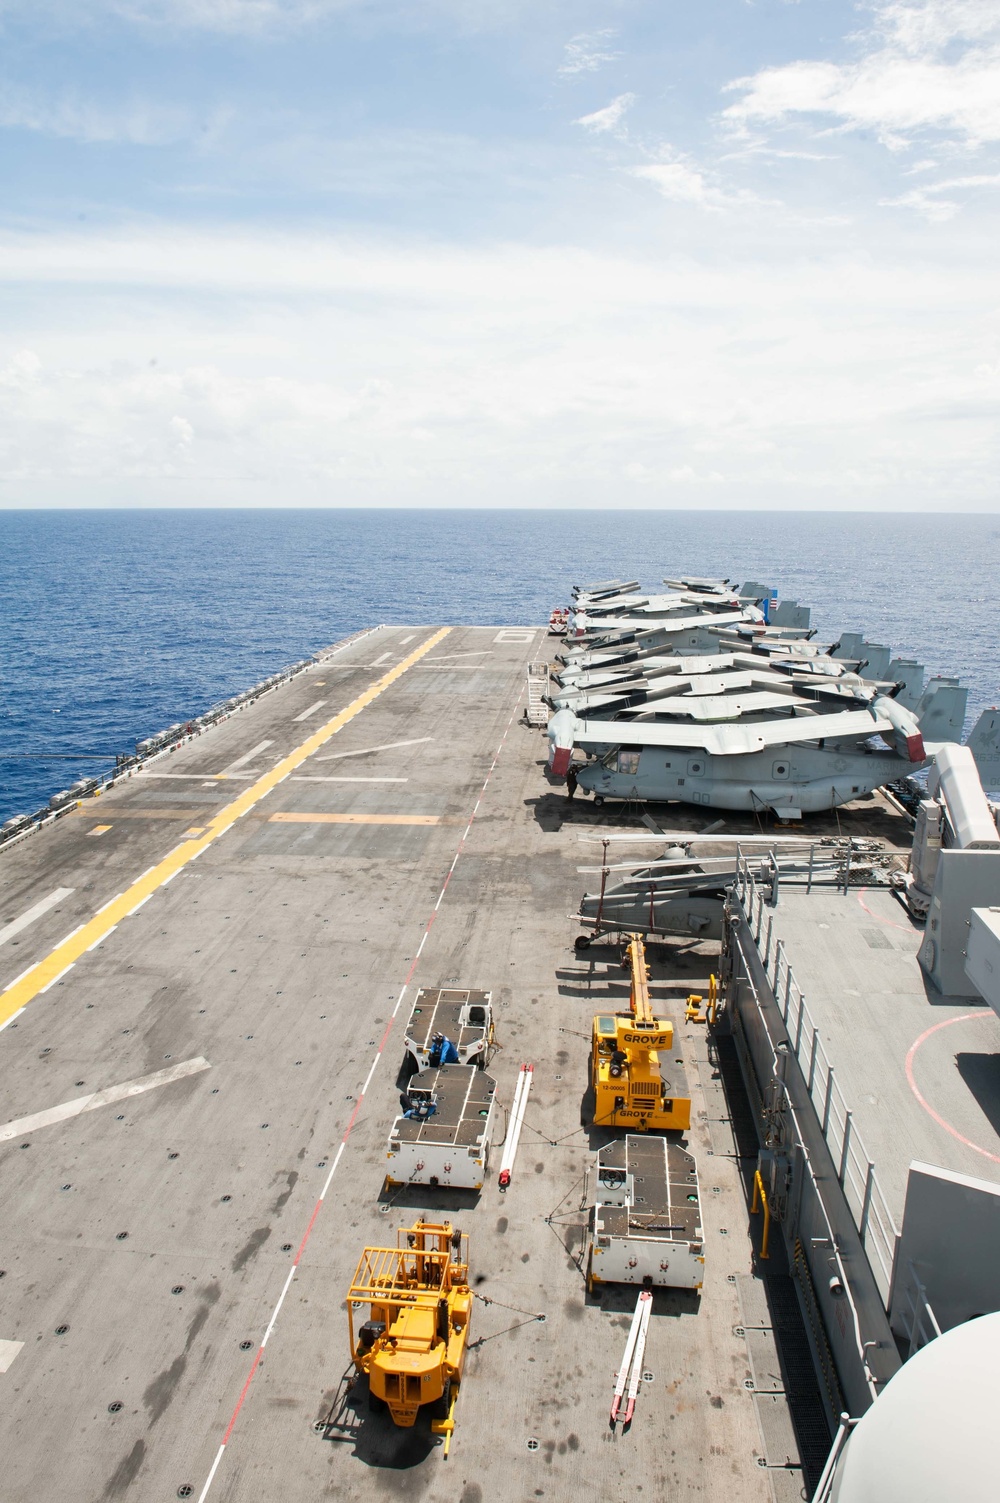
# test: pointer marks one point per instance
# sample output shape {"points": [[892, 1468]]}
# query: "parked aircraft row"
{"points": [[720, 696]]}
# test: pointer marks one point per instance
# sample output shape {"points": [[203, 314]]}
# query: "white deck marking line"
{"points": [[11, 1019], [45, 971], [376, 662], [211, 1475], [311, 711], [57, 978], [100, 939], [365, 750], [8, 1351], [347, 1133], [246, 757], [35, 912], [404, 640], [319, 778], [446, 657], [195, 777], [107, 1097]]}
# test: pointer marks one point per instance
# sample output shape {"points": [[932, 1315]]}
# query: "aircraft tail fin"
{"points": [[984, 744], [941, 710]]}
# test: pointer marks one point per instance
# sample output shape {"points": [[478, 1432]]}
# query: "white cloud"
{"points": [[138, 121], [675, 180], [303, 369], [610, 117], [925, 67], [589, 51], [926, 200]]}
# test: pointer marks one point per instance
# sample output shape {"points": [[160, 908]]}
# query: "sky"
{"points": [[538, 253]]}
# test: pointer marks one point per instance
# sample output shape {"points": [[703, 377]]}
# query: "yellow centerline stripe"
{"points": [[44, 972]]}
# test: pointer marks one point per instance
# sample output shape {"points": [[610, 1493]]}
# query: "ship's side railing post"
{"points": [[825, 1483], [847, 1145], [827, 1104], [866, 1204], [812, 1059]]}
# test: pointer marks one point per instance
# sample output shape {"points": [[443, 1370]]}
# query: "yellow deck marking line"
{"points": [[355, 819], [99, 830], [45, 972]]}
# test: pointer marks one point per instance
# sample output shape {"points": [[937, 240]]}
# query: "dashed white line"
{"points": [[106, 1097], [100, 939], [318, 778], [35, 912], [365, 751], [347, 1133], [246, 757], [311, 710], [382, 659], [57, 978]]}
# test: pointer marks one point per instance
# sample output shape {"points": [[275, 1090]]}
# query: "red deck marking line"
{"points": [[941, 1121], [347, 1133], [906, 928]]}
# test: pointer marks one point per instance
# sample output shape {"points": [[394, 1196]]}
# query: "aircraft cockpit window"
{"points": [[628, 761]]}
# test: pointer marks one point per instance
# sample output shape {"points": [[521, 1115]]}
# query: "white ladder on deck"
{"points": [[538, 683]]}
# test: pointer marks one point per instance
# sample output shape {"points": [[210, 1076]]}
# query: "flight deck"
{"points": [[208, 971]]}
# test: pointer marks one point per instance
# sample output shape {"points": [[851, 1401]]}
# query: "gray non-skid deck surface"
{"points": [[160, 1231], [855, 959]]}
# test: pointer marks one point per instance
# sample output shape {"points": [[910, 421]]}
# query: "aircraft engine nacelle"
{"points": [[561, 731], [905, 727]]}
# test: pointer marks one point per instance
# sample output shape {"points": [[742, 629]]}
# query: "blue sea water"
{"points": [[114, 624]]}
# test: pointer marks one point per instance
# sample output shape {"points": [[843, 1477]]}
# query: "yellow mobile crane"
{"points": [[633, 1073], [412, 1346]]}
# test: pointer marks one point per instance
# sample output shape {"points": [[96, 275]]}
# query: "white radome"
{"points": [[931, 1435]]}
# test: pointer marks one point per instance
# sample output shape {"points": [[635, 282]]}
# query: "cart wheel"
{"points": [[443, 1405], [375, 1404], [582, 942], [598, 800]]}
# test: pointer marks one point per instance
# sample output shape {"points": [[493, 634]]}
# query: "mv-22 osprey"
{"points": [[770, 723]]}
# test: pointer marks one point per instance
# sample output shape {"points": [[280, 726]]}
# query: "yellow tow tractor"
{"points": [[412, 1346], [637, 1082]]}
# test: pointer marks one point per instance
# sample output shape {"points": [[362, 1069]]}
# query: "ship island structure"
{"points": [[512, 1062]]}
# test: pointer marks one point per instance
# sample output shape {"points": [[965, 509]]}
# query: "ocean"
{"points": [[116, 624]]}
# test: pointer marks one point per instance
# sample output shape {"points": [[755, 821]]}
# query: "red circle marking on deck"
{"points": [[941, 1122], [906, 928]]}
